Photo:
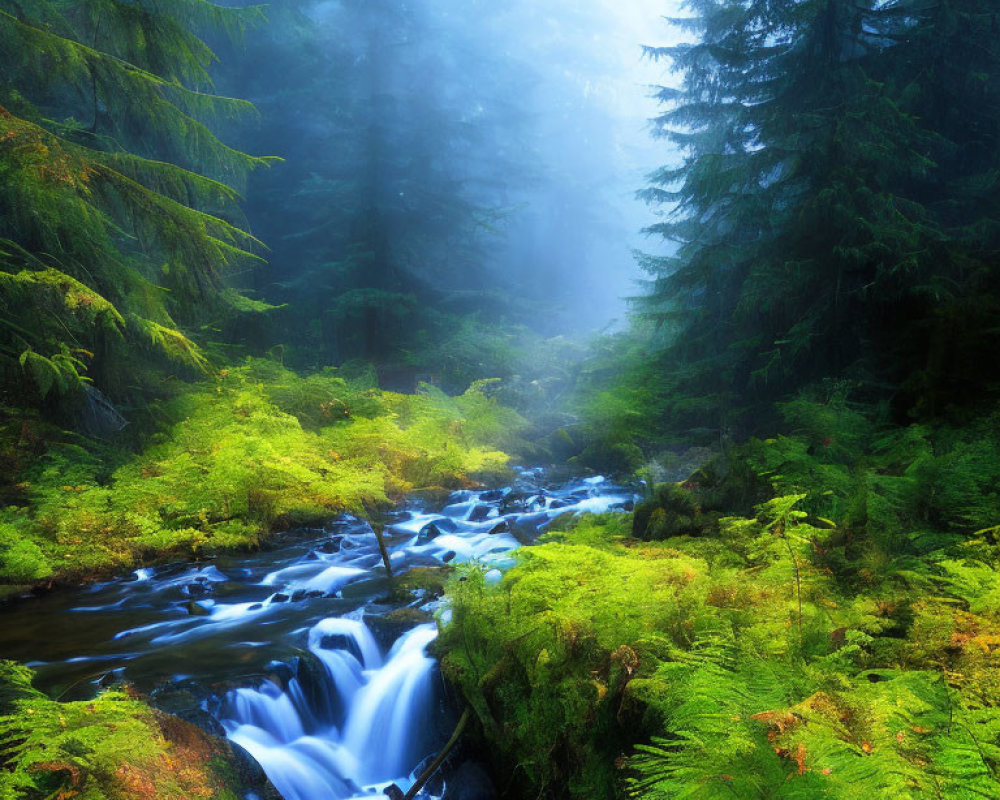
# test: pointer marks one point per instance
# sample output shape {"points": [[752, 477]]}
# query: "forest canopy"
{"points": [[834, 209]]}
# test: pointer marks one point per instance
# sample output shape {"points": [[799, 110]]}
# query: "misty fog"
{"points": [[467, 400], [499, 145]]}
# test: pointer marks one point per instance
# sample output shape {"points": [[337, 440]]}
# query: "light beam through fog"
{"points": [[740, 541], [588, 112]]}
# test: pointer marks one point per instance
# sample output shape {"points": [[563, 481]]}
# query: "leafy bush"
{"points": [[730, 664], [257, 448], [544, 660], [21, 559], [898, 490]]}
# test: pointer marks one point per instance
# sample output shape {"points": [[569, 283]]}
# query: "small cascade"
{"points": [[384, 721], [269, 709], [304, 752], [354, 634]]}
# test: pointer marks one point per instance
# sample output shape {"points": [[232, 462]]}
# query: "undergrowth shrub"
{"points": [[545, 659], [899, 487], [21, 559], [255, 449], [731, 662], [108, 748]]}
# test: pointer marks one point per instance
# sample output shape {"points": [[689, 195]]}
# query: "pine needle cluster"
{"points": [[834, 212]]}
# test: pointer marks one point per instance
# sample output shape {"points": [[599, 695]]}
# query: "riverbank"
{"points": [[779, 652], [805, 614], [113, 746], [256, 449], [339, 695]]}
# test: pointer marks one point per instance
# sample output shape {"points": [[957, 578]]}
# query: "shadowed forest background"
{"points": [[262, 265]]}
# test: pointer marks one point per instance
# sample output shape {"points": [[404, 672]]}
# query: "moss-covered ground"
{"points": [[254, 449], [803, 616]]}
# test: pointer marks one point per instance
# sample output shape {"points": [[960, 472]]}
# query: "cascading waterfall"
{"points": [[380, 727], [304, 752], [310, 753], [338, 707]]}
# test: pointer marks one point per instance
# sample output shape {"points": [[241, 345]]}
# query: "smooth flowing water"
{"points": [[298, 651]]}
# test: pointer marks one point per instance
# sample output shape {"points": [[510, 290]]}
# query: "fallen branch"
{"points": [[428, 773], [377, 527]]}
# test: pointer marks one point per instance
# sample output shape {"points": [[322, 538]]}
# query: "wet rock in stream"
{"points": [[192, 730], [388, 627], [196, 609], [190, 701], [470, 782]]}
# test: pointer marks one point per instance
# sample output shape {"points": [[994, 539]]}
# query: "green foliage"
{"points": [[170, 342], [672, 510], [60, 373], [109, 748], [21, 559], [892, 733], [113, 228], [830, 215], [617, 396], [903, 490], [729, 664], [545, 659], [257, 448]]}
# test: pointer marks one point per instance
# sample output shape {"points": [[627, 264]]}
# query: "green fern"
{"points": [[896, 737], [171, 343], [61, 373], [714, 748], [107, 748]]}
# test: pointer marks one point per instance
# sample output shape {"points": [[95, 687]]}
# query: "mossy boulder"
{"points": [[560, 445], [430, 581], [610, 456], [388, 627]]}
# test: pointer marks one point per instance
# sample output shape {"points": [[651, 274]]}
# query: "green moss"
{"points": [[429, 579], [728, 664], [255, 449], [545, 658], [671, 511], [21, 559]]}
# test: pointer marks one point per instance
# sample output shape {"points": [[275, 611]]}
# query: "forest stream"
{"points": [[287, 288], [306, 654]]}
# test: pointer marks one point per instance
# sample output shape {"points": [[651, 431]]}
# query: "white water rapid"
{"points": [[299, 743], [368, 726]]}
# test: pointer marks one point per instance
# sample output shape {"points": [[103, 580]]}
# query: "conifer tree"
{"points": [[807, 211], [118, 204], [946, 56], [399, 161]]}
